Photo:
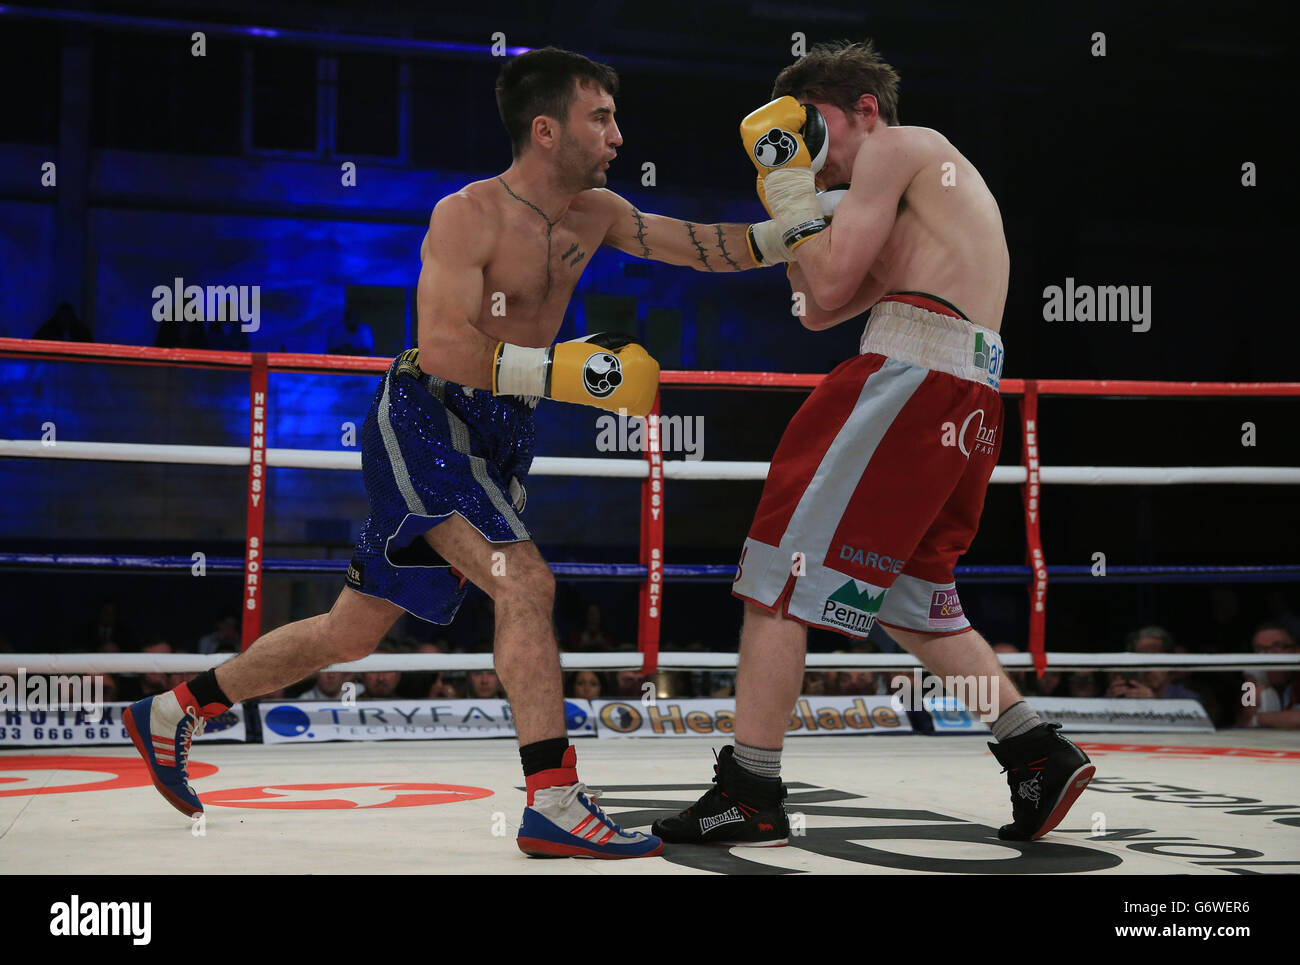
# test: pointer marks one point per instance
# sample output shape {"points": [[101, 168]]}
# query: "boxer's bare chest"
{"points": [[530, 278]]}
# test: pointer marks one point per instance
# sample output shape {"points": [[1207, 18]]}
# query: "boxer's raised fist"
{"points": [[785, 133]]}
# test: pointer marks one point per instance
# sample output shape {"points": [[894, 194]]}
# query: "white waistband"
{"points": [[934, 341]]}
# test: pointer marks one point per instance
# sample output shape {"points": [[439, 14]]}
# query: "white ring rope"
{"points": [[632, 468], [93, 663]]}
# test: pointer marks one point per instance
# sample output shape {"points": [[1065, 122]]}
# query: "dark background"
{"points": [[1117, 170]]}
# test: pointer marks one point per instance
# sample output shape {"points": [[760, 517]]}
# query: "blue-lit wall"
{"points": [[289, 227]]}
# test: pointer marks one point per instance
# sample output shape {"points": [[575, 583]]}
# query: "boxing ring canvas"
{"points": [[1203, 804]]}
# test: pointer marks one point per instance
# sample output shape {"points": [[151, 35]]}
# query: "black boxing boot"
{"points": [[1046, 774], [740, 809]]}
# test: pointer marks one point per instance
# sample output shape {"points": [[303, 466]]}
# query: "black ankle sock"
{"points": [[543, 755], [207, 691]]}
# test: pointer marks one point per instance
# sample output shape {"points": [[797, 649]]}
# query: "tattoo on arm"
{"points": [[722, 246], [640, 232], [704, 258]]}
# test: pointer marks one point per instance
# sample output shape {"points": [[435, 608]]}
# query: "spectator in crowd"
{"points": [[1276, 692], [1151, 684], [453, 687], [592, 636], [1279, 611], [585, 685], [856, 683], [483, 685], [64, 326], [224, 638], [442, 689], [352, 337], [628, 684], [1084, 683], [381, 684], [424, 684], [814, 684], [328, 686]]}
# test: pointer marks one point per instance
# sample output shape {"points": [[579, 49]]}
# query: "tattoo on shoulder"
{"points": [[722, 246], [704, 258], [640, 232]]}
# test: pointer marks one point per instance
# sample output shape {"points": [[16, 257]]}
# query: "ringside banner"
{"points": [[813, 716], [1083, 714], [298, 722], [69, 728], [1080, 715]]}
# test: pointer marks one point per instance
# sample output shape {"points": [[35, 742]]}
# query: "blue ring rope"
{"points": [[709, 572]]}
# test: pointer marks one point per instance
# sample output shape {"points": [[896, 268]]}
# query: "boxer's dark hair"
{"points": [[840, 72], [542, 82]]}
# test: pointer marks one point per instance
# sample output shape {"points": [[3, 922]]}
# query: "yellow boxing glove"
{"points": [[787, 142], [785, 133], [607, 370]]}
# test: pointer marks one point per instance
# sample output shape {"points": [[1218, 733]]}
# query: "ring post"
{"points": [[254, 545], [652, 546]]}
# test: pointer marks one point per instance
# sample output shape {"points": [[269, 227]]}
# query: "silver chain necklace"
{"points": [[549, 225]]}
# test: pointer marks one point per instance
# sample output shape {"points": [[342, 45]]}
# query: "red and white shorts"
{"points": [[877, 486]]}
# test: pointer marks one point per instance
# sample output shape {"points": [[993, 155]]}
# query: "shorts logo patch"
{"points": [[945, 609], [355, 576], [989, 358], [870, 559], [853, 609], [975, 436]]}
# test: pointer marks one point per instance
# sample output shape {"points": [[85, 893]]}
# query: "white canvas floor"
{"points": [[903, 805]]}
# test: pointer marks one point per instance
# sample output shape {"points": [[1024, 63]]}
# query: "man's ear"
{"points": [[868, 107], [545, 130]]}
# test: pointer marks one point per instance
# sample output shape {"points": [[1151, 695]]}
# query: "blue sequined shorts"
{"points": [[431, 448]]}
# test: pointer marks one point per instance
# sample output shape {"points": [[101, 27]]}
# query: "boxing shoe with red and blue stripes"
{"points": [[562, 820], [162, 728]]}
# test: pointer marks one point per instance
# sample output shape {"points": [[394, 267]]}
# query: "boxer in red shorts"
{"points": [[877, 485]]}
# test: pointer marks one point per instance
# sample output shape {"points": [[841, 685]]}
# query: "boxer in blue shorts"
{"points": [[448, 441]]}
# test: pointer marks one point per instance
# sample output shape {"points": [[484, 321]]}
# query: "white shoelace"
{"points": [[193, 728], [570, 795]]}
